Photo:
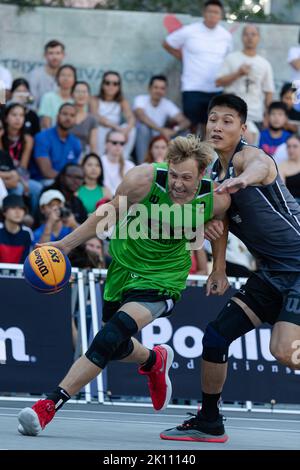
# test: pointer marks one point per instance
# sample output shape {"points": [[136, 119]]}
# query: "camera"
{"points": [[64, 212]]}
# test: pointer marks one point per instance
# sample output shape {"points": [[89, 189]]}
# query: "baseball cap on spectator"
{"points": [[50, 195], [13, 200]]}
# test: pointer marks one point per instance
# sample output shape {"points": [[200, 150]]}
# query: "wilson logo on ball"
{"points": [[47, 269]]}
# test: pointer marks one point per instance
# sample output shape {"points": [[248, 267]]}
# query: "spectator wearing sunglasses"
{"points": [[113, 112], [114, 165]]}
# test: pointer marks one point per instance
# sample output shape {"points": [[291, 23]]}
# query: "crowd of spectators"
{"points": [[63, 151]]}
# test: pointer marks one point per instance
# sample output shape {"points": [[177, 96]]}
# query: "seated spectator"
{"points": [[111, 108], [20, 93], [68, 181], [42, 79], [287, 96], [290, 170], [86, 127], [158, 149], [15, 239], [19, 145], [275, 134], [59, 221], [155, 113], [8, 173], [92, 190], [114, 165], [57, 146], [89, 255], [52, 101]]}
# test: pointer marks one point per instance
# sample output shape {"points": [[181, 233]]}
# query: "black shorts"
{"points": [[135, 295], [273, 296]]}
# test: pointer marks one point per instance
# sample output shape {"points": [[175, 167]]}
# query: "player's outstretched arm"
{"points": [[252, 167], [134, 187]]}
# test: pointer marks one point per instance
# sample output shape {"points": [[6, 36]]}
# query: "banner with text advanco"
{"points": [[35, 337], [253, 373]]}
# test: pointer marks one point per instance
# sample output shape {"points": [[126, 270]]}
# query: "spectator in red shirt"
{"points": [[15, 239]]}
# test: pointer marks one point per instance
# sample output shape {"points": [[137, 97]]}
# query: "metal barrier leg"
{"points": [[95, 326], [83, 331]]}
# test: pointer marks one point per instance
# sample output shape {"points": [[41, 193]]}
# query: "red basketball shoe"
{"points": [[33, 420]]}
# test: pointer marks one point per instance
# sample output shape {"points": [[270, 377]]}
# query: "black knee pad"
{"points": [[107, 341], [231, 323], [124, 350]]}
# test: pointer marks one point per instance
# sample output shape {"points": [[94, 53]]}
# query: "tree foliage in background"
{"points": [[235, 9]]}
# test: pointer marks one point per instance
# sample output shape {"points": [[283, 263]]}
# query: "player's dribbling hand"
{"points": [[59, 244], [217, 283], [231, 186]]}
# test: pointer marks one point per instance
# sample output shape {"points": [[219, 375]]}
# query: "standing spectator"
{"points": [[52, 100], [294, 61], [158, 149], [58, 223], [15, 240], [92, 190], [154, 113], [68, 181], [249, 76], [20, 93], [202, 48], [86, 128], [275, 134], [114, 165], [6, 79], [42, 79], [290, 170], [110, 107], [56, 147], [19, 145]]}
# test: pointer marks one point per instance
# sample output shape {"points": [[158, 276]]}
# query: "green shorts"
{"points": [[119, 280]]}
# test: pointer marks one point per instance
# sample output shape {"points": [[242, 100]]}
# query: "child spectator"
{"points": [[15, 239], [275, 134], [92, 190], [20, 93]]}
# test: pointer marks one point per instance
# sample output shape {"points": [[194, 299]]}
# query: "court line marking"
{"points": [[155, 415], [244, 428]]}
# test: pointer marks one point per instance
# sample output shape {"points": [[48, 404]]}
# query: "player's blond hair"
{"points": [[183, 148]]}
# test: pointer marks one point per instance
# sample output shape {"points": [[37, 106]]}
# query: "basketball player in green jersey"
{"points": [[151, 262]]}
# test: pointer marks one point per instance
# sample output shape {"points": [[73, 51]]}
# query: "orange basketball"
{"points": [[47, 269]]}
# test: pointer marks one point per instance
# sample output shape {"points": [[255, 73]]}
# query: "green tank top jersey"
{"points": [[150, 247]]}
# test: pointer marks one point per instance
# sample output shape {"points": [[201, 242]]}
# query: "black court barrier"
{"points": [[253, 373], [35, 337]]}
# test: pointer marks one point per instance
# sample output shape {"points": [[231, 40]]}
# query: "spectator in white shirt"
{"points": [[43, 79], [202, 48], [249, 76], [294, 61], [114, 165], [154, 113]]}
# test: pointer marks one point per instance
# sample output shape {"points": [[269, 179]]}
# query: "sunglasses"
{"points": [[110, 82], [116, 142]]}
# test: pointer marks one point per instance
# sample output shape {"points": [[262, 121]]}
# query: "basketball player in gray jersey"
{"points": [[264, 216]]}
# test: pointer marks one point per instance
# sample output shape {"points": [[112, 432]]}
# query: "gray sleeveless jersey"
{"points": [[267, 220]]}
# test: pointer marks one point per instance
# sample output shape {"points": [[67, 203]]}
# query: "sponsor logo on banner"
{"points": [[16, 338], [250, 352]]}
